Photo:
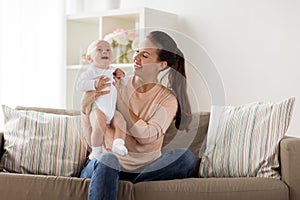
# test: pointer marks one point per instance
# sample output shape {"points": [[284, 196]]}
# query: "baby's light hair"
{"points": [[92, 47]]}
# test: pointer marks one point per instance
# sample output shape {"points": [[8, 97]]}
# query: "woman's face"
{"points": [[146, 64]]}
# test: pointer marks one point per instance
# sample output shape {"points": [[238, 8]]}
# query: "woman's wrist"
{"points": [[86, 103], [86, 110]]}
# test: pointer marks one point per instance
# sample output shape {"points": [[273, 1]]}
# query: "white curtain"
{"points": [[32, 53]]}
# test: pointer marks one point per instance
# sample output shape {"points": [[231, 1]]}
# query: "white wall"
{"points": [[255, 45]]}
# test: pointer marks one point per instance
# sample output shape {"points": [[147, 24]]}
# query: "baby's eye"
{"points": [[108, 50]]}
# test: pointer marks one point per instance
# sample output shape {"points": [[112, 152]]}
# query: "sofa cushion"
{"points": [[40, 187], [192, 139], [1, 145], [213, 188], [243, 141], [42, 143]]}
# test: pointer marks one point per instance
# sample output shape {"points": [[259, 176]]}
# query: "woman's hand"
{"points": [[90, 96], [101, 83]]}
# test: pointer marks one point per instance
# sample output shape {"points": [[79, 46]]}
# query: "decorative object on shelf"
{"points": [[123, 43], [101, 5]]}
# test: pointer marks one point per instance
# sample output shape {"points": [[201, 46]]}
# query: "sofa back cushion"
{"points": [[42, 143], [192, 139]]}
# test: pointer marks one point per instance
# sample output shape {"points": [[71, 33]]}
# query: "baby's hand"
{"points": [[118, 73]]}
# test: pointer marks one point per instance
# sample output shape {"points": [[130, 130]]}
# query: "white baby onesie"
{"points": [[106, 103]]}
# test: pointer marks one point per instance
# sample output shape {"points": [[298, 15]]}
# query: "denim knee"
{"points": [[186, 154], [189, 159], [189, 155], [108, 159]]}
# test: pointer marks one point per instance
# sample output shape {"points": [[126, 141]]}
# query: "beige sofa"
{"points": [[35, 187]]}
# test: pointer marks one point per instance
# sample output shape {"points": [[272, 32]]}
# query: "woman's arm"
{"points": [[160, 119], [90, 96], [86, 128], [127, 113], [146, 132]]}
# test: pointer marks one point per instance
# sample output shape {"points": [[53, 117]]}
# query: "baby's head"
{"points": [[99, 54]]}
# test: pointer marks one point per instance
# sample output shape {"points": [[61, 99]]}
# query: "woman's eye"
{"points": [[145, 55]]}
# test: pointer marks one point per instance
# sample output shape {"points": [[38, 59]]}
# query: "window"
{"points": [[32, 53]]}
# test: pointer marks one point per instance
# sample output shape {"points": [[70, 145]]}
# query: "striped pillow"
{"points": [[42, 143], [243, 141]]}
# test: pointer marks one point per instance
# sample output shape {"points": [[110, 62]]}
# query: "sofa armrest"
{"points": [[1, 144], [290, 162]]}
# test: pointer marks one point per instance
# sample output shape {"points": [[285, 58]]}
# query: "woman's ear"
{"points": [[163, 65]]}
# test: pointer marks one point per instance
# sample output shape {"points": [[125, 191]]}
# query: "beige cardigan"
{"points": [[156, 109]]}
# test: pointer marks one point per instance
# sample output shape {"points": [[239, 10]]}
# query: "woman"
{"points": [[148, 108]]}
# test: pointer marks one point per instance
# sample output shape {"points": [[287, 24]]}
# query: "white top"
{"points": [[106, 103], [86, 80]]}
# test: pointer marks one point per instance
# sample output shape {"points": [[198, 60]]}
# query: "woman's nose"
{"points": [[136, 55]]}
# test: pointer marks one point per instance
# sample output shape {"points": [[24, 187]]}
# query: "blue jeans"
{"points": [[104, 172]]}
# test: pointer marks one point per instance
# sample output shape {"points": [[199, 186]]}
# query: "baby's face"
{"points": [[101, 55]]}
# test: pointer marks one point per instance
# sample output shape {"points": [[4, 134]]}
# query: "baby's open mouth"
{"points": [[104, 57]]}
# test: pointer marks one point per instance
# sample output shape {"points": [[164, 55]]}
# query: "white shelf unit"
{"points": [[83, 28]]}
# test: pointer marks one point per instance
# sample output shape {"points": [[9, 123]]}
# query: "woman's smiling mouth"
{"points": [[137, 67]]}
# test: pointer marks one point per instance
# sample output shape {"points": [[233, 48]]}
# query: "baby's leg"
{"points": [[98, 123], [119, 124]]}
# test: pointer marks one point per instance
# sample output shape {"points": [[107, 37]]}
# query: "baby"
{"points": [[99, 55]]}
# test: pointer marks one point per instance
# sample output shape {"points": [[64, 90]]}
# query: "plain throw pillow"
{"points": [[42, 143], [191, 139], [242, 141]]}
